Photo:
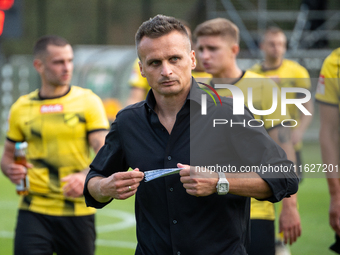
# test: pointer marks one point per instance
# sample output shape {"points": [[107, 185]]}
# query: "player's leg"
{"points": [[280, 247], [262, 240], [32, 234], [75, 235]]}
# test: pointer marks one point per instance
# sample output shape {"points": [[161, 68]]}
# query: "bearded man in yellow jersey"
{"points": [[327, 95], [218, 46], [59, 122], [286, 73], [139, 84]]}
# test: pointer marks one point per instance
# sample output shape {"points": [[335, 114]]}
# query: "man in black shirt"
{"points": [[197, 211]]}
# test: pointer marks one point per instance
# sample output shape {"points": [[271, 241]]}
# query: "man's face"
{"points": [[56, 66], [274, 46], [166, 62], [215, 53]]}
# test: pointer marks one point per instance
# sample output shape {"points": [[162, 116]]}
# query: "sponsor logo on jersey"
{"points": [[320, 88], [50, 108]]}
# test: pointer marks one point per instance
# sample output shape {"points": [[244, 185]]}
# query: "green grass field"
{"points": [[116, 227]]}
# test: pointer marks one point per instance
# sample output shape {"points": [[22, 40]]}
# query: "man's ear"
{"points": [[141, 69], [193, 60], [261, 46], [235, 49], [38, 65]]}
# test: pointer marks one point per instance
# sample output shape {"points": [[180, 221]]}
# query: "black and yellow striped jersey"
{"points": [[288, 74], [56, 131]]}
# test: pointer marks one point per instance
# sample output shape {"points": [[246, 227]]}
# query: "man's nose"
{"points": [[166, 69], [203, 54], [68, 66]]}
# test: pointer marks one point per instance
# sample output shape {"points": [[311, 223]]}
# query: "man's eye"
{"points": [[174, 58], [154, 63]]}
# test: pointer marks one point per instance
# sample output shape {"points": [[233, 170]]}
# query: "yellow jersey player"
{"points": [[139, 85], [327, 95], [286, 73], [59, 122], [218, 46]]}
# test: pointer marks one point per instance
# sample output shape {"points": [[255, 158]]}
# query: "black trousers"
{"points": [[41, 234], [262, 240]]}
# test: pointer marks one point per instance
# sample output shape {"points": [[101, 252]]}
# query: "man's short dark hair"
{"points": [[40, 46], [158, 26], [218, 27], [273, 30]]}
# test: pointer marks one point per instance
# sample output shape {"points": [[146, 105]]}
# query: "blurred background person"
{"points": [[59, 122], [327, 95], [286, 73], [218, 47]]}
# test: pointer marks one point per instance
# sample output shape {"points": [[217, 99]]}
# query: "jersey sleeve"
{"points": [[95, 114], [14, 131], [327, 90]]}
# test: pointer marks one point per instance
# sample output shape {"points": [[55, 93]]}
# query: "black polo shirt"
{"points": [[170, 221]]}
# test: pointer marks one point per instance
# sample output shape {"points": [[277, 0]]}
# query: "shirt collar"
{"points": [[195, 92], [150, 100], [228, 80]]}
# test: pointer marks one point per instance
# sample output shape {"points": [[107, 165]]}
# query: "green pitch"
{"points": [[116, 227]]}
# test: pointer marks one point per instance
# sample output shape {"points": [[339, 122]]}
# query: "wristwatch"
{"points": [[222, 186]]}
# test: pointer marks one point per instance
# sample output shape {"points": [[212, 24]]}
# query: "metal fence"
{"points": [[306, 23]]}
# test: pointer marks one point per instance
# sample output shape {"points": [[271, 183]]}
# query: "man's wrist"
{"points": [[334, 187], [222, 186], [289, 202], [335, 195], [85, 171]]}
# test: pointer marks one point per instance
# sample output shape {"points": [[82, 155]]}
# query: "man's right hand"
{"points": [[121, 185], [16, 172], [13, 171], [334, 214]]}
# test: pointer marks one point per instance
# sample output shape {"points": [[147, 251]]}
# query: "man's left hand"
{"points": [[74, 184], [290, 224], [198, 183]]}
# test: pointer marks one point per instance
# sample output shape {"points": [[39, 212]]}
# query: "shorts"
{"points": [[41, 234], [262, 240]]}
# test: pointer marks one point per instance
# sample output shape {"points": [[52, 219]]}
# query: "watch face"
{"points": [[223, 187]]}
